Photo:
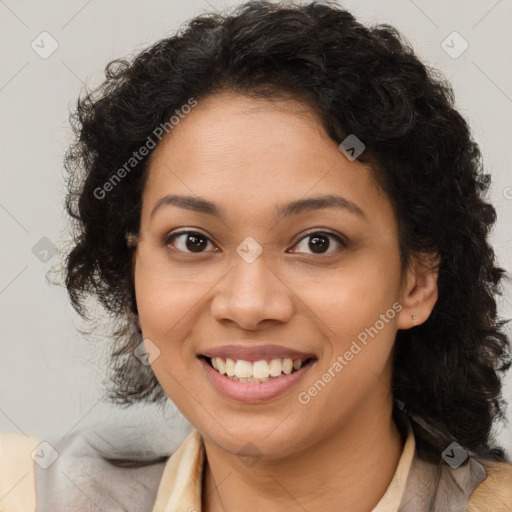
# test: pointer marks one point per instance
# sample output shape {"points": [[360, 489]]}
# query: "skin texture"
{"points": [[249, 156]]}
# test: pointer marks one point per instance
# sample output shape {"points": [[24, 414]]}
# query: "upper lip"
{"points": [[256, 352]]}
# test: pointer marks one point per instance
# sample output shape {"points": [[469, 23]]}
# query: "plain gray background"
{"points": [[50, 376]]}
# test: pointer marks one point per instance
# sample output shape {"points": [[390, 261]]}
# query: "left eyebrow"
{"points": [[318, 203], [297, 207]]}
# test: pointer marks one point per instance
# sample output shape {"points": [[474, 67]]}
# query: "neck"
{"points": [[337, 474]]}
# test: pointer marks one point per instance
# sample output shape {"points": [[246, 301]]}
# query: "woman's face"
{"points": [[321, 280]]}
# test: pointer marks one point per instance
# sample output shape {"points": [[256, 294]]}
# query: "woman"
{"points": [[285, 215]]}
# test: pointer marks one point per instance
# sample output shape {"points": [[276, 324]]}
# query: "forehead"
{"points": [[241, 151]]}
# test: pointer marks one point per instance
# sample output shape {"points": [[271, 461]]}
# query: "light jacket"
{"points": [[81, 479]]}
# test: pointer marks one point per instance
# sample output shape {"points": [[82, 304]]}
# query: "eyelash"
{"points": [[329, 234]]}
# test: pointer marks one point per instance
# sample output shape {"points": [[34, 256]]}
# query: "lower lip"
{"points": [[253, 391]]}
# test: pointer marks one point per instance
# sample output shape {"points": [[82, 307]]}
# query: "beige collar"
{"points": [[180, 487]]}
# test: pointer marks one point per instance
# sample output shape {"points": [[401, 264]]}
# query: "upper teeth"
{"points": [[259, 369]]}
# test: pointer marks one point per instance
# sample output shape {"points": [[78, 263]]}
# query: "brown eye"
{"points": [[319, 242], [189, 241]]}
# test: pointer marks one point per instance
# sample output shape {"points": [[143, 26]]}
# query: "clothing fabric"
{"points": [[180, 488], [85, 477], [17, 469]]}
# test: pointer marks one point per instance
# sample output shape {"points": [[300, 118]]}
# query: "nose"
{"points": [[250, 294]]}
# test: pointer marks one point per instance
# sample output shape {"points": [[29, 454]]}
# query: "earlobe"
{"points": [[420, 293]]}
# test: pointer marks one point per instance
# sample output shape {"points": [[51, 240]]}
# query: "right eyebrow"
{"points": [[196, 204]]}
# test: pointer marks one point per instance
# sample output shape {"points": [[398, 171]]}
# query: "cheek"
{"points": [[166, 312], [163, 303], [353, 298], [358, 315]]}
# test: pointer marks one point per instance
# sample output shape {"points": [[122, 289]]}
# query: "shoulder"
{"points": [[17, 476], [495, 492]]}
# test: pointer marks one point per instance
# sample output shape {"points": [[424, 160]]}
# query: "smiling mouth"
{"points": [[264, 370]]}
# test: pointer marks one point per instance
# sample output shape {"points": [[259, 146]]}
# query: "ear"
{"points": [[419, 292]]}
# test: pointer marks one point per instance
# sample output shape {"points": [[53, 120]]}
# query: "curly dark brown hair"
{"points": [[359, 80]]}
